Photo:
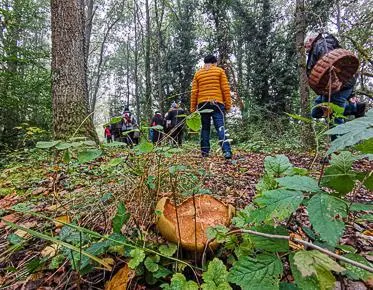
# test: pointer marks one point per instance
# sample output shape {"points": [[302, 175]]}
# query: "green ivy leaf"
{"points": [[88, 155], [326, 213], [215, 277], [178, 282], [46, 145], [356, 273], [276, 204], [168, 250], [262, 272], [151, 263], [120, 218], [299, 183], [278, 165], [193, 121], [315, 263], [352, 132], [138, 256]]}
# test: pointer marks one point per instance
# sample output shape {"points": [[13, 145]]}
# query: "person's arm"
{"points": [[194, 96], [226, 91]]}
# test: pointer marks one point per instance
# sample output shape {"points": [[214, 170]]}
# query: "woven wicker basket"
{"points": [[338, 66]]}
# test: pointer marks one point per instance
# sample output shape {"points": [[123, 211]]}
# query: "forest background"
{"points": [[144, 54]]}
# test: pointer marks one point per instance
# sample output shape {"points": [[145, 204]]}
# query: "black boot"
{"points": [[360, 110]]}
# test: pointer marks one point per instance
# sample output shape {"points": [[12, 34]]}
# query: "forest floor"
{"points": [[88, 194]]}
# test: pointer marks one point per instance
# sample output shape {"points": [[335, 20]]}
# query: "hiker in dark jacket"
{"points": [[175, 124], [157, 134], [128, 125], [317, 47]]}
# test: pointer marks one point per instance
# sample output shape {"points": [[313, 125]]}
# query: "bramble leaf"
{"points": [[276, 204], [262, 272], [300, 183], [278, 165], [326, 213], [356, 273], [315, 263], [352, 132]]}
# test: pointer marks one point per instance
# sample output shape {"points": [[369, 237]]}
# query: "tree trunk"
{"points": [[148, 97], [307, 135], [136, 56], [69, 68]]}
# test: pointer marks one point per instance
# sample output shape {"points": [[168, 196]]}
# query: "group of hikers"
{"points": [[212, 97], [170, 127]]}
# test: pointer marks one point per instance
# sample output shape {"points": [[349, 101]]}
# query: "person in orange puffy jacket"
{"points": [[210, 90]]}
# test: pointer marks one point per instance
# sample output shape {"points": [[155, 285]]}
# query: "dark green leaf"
{"points": [[277, 166], [365, 146], [276, 204], [299, 183], [120, 218], [326, 213], [361, 207], [356, 273], [309, 282], [262, 272], [352, 132]]}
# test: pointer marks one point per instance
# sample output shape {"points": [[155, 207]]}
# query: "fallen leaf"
{"points": [[39, 190], [368, 233], [58, 221], [13, 217], [294, 245], [120, 279], [22, 234], [49, 251]]}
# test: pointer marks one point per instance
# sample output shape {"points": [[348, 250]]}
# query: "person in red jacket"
{"points": [[107, 134], [210, 90]]}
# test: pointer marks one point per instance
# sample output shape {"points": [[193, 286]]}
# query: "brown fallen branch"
{"points": [[305, 243]]}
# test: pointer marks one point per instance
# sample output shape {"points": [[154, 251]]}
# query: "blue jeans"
{"points": [[218, 119], [339, 99]]}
